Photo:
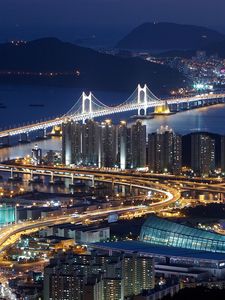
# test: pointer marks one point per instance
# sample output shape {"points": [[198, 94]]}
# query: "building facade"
{"points": [[166, 233], [138, 145], [7, 214], [222, 154], [202, 153], [97, 277], [104, 144], [124, 146], [36, 155], [165, 151]]}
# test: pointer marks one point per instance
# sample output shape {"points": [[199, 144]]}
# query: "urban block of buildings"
{"points": [[129, 147]]}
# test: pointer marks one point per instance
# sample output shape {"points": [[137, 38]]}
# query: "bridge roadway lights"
{"points": [[141, 99]]}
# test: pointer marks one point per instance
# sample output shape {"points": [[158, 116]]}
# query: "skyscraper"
{"points": [[138, 274], [108, 144], [36, 155], [165, 151], [90, 143], [222, 159], [71, 143], [104, 145], [138, 145], [202, 153], [124, 146]]}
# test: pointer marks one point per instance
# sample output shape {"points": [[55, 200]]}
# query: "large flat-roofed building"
{"points": [[166, 233], [81, 234], [7, 214], [177, 249]]}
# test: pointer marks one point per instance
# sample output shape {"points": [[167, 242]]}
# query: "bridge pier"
{"points": [[45, 133], [14, 176], [41, 134], [11, 174], [131, 187], [187, 105], [123, 190], [72, 179], [4, 142], [31, 176], [35, 178], [145, 111], [93, 181], [113, 184], [51, 178], [24, 137]]}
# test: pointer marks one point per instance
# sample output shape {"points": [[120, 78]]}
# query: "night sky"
{"points": [[71, 19]]}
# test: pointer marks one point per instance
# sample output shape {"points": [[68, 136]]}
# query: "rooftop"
{"points": [[156, 250]]}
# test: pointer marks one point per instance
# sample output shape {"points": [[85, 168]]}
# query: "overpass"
{"points": [[170, 195], [122, 178]]}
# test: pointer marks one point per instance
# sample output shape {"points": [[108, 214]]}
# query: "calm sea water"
{"points": [[15, 108]]}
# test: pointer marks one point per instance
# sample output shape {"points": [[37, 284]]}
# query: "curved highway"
{"points": [[169, 195]]}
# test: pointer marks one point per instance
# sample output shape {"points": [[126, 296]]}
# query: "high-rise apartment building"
{"points": [[71, 143], [90, 143], [36, 155], [222, 158], [138, 274], [165, 151], [202, 153], [98, 277], [124, 146], [108, 144], [138, 145]]}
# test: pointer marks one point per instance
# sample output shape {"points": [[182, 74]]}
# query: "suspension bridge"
{"points": [[89, 107]]}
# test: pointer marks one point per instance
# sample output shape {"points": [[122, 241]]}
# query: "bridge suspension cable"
{"points": [[86, 104]]}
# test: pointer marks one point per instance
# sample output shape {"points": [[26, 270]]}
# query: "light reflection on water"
{"points": [[211, 118]]}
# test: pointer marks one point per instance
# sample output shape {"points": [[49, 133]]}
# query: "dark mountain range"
{"points": [[213, 48], [216, 48], [168, 36], [51, 61]]}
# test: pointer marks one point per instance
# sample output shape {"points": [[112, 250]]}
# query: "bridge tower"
{"points": [[142, 98], [87, 105]]}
